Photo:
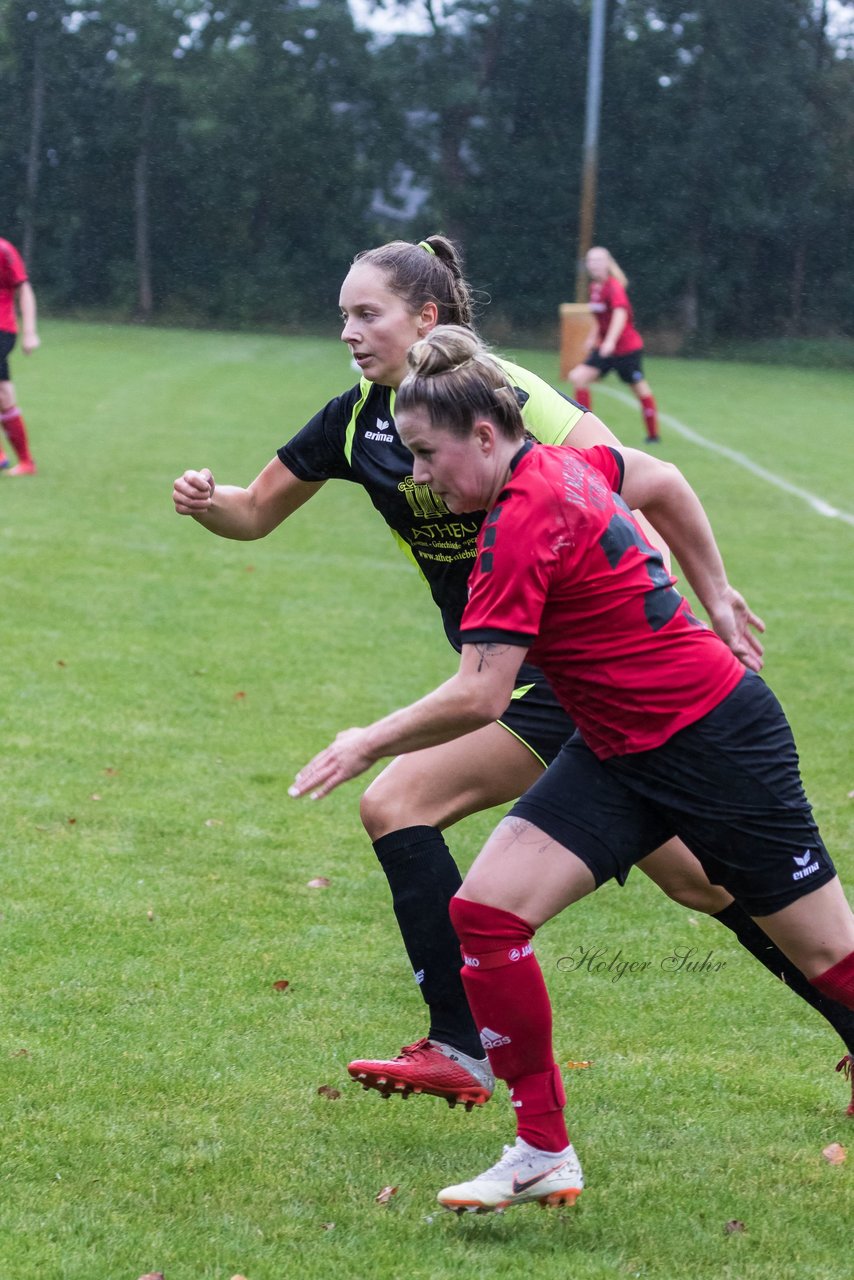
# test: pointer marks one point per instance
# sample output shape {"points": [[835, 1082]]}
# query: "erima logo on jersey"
{"points": [[382, 432], [493, 1039], [805, 867]]}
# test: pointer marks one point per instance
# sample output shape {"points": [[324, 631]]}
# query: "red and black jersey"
{"points": [[564, 570], [605, 297], [13, 274]]}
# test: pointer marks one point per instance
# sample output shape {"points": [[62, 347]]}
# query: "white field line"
{"points": [[818, 505]]}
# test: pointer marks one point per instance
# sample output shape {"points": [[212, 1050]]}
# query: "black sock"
{"points": [[423, 878], [768, 953]]}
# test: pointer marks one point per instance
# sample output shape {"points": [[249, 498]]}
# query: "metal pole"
{"points": [[590, 158]]}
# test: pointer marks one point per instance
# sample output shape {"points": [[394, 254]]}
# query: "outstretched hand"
{"points": [[735, 623], [192, 492], [343, 759]]}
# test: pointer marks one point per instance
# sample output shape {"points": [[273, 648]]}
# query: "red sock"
{"points": [[650, 416], [836, 982], [13, 425], [505, 989], [581, 395]]}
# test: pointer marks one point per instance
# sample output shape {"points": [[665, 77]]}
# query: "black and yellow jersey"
{"points": [[354, 438]]}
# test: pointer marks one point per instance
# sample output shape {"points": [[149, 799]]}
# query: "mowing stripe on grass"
{"points": [[818, 505]]}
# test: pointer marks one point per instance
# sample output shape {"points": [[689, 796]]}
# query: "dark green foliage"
{"points": [[238, 154]]}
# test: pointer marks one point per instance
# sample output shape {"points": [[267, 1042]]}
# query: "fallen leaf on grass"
{"points": [[326, 1091], [851, 795], [238, 1278], [733, 1227], [60, 663], [385, 1195], [281, 985], [213, 822], [72, 821], [835, 1153], [240, 694], [111, 772], [327, 1226], [153, 1275], [250, 568], [320, 882], [150, 914], [587, 1062], [20, 1053], [94, 796]]}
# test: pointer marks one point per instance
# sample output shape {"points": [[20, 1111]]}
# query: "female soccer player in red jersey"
{"points": [[614, 342], [566, 578], [391, 296], [15, 287]]}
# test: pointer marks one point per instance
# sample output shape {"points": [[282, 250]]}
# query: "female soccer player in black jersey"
{"points": [[392, 296]]}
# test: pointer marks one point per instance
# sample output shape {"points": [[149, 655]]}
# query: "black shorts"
{"points": [[536, 717], [729, 785], [628, 368], [7, 342]]}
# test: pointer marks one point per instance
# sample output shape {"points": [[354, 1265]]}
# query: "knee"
{"points": [[580, 375], [692, 890], [483, 928], [381, 810], [681, 876], [698, 896]]}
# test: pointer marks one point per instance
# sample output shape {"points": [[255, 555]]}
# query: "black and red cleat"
{"points": [[428, 1067]]}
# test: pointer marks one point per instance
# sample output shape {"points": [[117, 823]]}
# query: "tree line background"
{"points": [[219, 162]]}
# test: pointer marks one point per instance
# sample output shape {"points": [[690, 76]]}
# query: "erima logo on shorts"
{"points": [[381, 432], [493, 1039], [418, 974], [471, 961], [805, 870]]}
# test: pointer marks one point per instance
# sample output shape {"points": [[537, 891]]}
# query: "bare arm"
{"points": [[615, 328], [30, 339], [242, 514], [677, 513], [592, 339], [474, 697]]}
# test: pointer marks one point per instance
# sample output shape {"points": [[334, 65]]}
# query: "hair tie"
{"points": [[422, 244]]}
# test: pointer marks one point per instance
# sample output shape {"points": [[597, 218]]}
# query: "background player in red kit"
{"points": [[565, 577], [15, 286], [614, 342]]}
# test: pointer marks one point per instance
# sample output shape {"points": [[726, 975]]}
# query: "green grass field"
{"points": [[160, 1105]]}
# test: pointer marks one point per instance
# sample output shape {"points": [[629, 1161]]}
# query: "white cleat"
{"points": [[524, 1173]]}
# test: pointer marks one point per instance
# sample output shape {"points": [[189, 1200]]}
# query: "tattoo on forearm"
{"points": [[486, 651]]}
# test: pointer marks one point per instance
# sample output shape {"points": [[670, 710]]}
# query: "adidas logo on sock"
{"points": [[493, 1039]]}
